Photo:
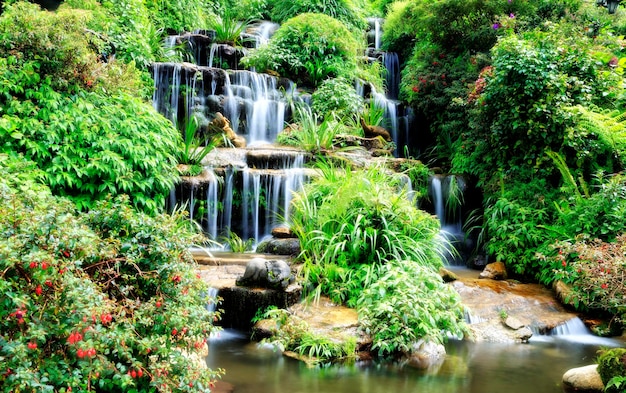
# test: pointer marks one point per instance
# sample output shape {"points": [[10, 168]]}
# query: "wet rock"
{"points": [[220, 124], [264, 328], [494, 271], [279, 246], [426, 355], [563, 292], [283, 232], [371, 131], [447, 275], [262, 273], [240, 304], [374, 144], [583, 379], [513, 323]]}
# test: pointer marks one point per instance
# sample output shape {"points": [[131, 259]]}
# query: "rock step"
{"points": [[224, 258]]}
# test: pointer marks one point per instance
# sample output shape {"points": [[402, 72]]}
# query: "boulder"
{"points": [[263, 273], [583, 379], [289, 246], [283, 232], [447, 275], [425, 355], [494, 271]]}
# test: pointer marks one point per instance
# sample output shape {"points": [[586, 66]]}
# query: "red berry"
{"points": [[44, 265], [48, 283], [80, 353], [158, 303], [69, 389], [91, 352], [32, 345], [176, 278], [174, 332], [140, 373], [38, 290], [33, 265], [66, 254], [133, 374]]}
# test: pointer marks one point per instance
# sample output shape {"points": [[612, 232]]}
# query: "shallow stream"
{"points": [[535, 367]]}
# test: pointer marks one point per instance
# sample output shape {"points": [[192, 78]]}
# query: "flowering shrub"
{"points": [[595, 271], [105, 302]]}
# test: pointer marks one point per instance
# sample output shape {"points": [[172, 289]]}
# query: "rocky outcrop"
{"points": [[583, 380]]}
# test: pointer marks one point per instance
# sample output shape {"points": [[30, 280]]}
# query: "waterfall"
{"points": [[377, 33], [446, 194], [392, 76]]}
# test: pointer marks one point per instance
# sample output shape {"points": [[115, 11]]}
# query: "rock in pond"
{"points": [[263, 273], [494, 271], [583, 379]]}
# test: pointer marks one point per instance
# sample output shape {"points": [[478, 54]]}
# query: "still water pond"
{"points": [[536, 367]]}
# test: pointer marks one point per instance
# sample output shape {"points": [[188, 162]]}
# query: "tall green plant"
{"points": [[309, 133]]}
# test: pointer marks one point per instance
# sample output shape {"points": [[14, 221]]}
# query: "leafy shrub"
{"points": [[612, 369], [361, 239], [392, 309], [343, 10], [514, 233], [307, 49], [54, 42], [88, 145], [336, 96], [104, 302], [594, 270], [599, 215], [522, 111], [357, 220], [248, 9]]}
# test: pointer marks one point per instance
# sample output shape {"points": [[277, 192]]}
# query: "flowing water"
{"points": [[535, 367]]}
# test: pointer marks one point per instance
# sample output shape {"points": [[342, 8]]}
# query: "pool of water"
{"points": [[535, 367]]}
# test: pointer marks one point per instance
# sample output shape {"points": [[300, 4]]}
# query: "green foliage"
{"points": [[419, 174], [344, 10], [193, 149], [409, 303], [177, 16], [228, 28], [244, 9], [355, 228], [104, 302], [612, 369], [53, 45], [309, 133], [514, 233], [523, 110], [308, 49], [599, 215], [236, 244], [88, 145], [336, 96]]}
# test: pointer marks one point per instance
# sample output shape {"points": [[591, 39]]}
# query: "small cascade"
{"points": [[374, 34], [248, 199], [397, 119], [262, 32], [255, 105], [575, 330], [392, 76], [446, 194]]}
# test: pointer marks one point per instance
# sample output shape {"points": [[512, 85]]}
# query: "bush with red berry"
{"points": [[595, 271], [107, 301]]}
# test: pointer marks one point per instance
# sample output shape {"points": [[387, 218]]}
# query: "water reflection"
{"points": [[536, 367]]}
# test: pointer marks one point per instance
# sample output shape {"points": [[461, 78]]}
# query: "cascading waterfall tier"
{"points": [[246, 191], [254, 103]]}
